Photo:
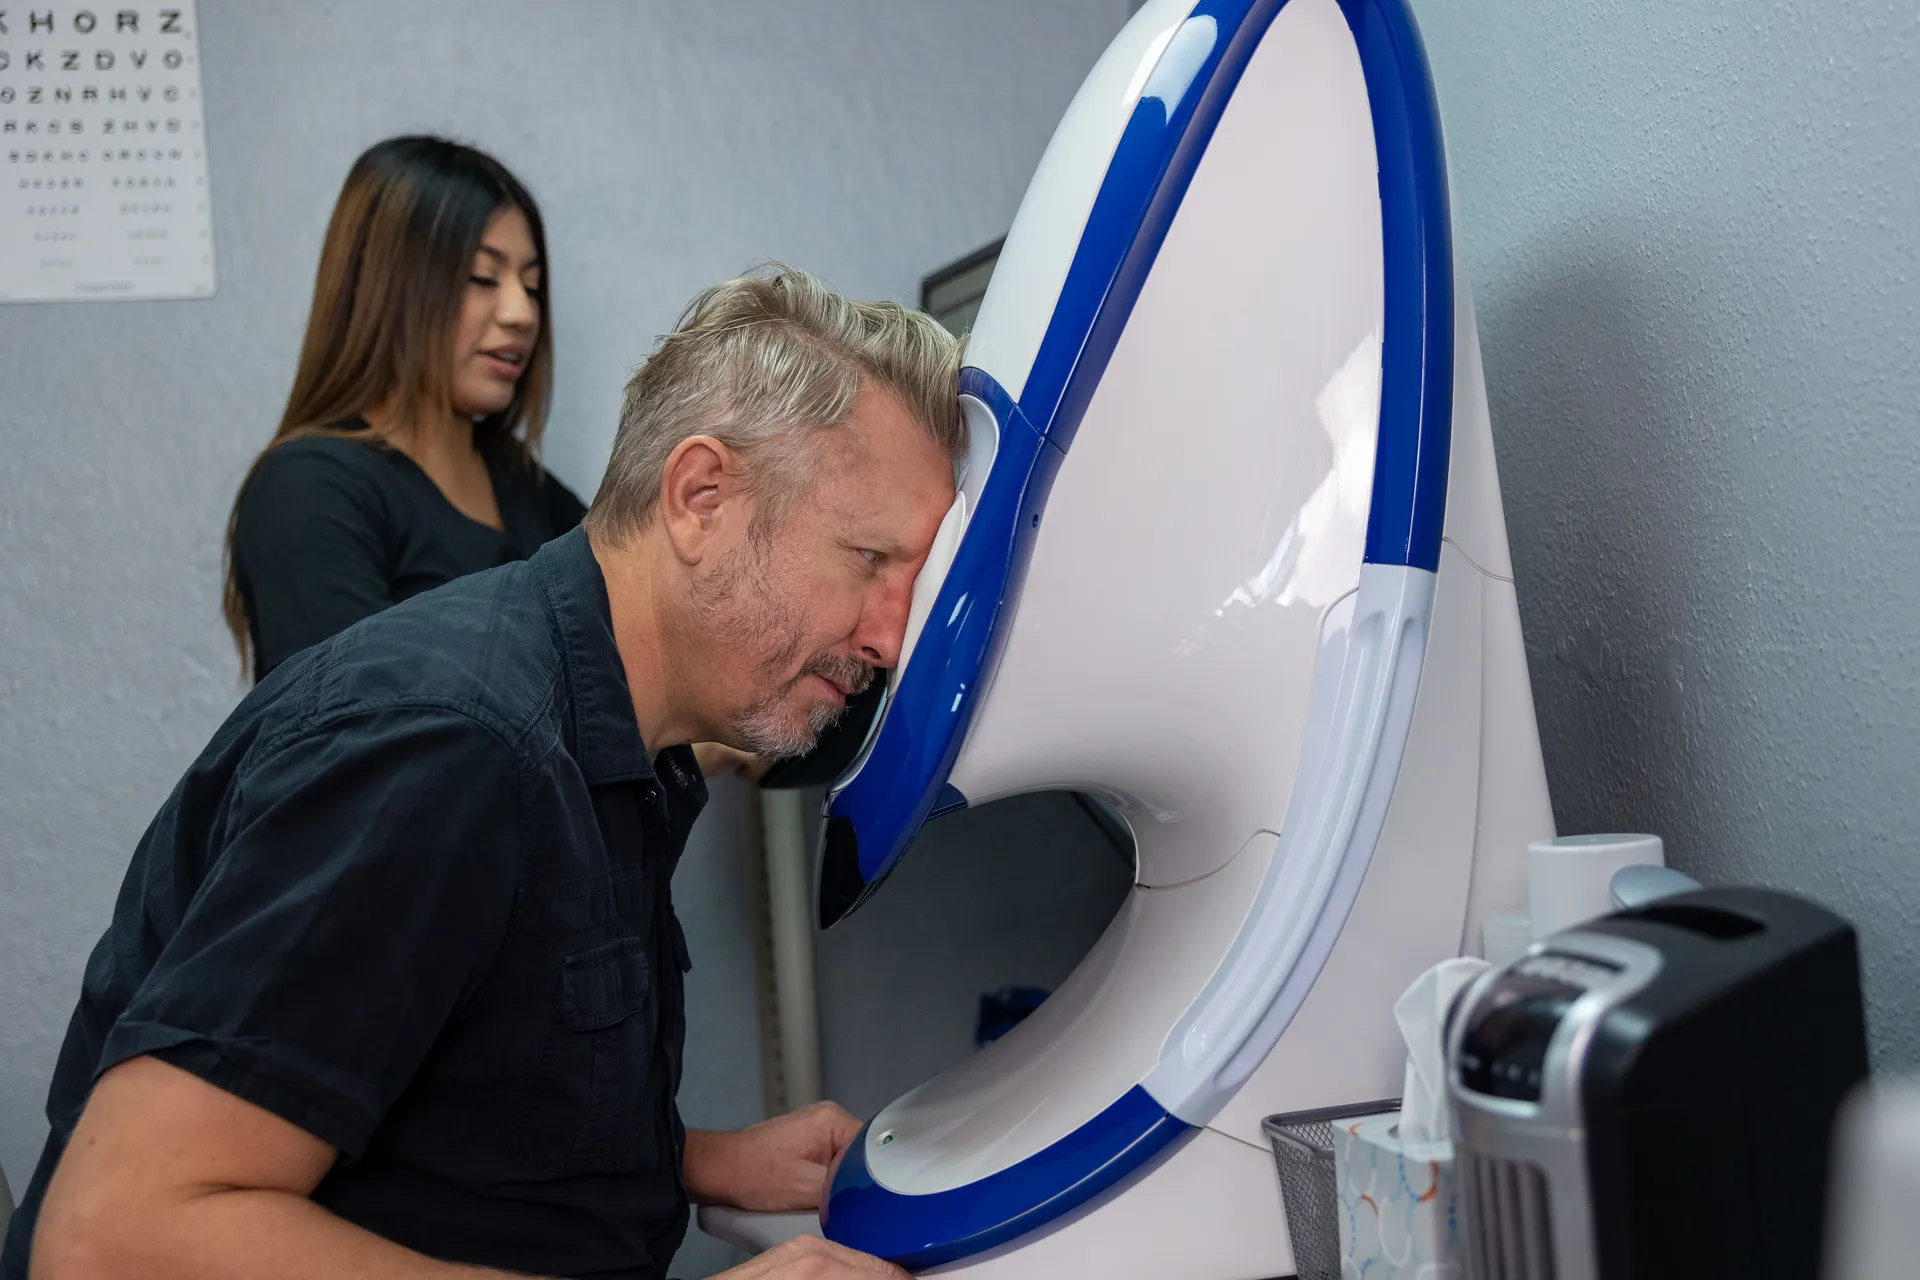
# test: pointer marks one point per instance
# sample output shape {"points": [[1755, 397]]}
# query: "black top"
{"points": [[414, 898], [331, 530]]}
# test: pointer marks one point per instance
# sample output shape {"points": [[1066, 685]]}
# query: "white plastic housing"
{"points": [[1331, 771]]}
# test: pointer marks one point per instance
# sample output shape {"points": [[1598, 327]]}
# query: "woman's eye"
{"points": [[488, 281], [535, 292]]}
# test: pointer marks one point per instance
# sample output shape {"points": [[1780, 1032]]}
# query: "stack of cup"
{"points": [[1569, 878]]}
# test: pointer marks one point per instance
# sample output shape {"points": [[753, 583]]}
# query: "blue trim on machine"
{"points": [[1145, 182], [922, 1231], [949, 800], [1416, 346]]}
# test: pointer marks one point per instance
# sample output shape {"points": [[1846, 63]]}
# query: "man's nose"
{"points": [[883, 624]]}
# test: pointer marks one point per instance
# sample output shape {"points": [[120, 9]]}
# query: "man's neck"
{"points": [[646, 651]]}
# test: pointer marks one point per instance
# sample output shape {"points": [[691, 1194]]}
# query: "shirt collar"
{"points": [[607, 741]]}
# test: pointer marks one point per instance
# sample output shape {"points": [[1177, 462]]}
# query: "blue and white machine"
{"points": [[1229, 552]]}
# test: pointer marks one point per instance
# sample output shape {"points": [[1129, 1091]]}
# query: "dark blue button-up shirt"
{"points": [[414, 897]]}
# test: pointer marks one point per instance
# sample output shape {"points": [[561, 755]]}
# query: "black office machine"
{"points": [[1652, 1094]]}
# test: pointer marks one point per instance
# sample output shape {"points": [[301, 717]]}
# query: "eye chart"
{"points": [[103, 159]]}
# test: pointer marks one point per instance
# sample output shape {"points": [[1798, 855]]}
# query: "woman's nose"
{"points": [[517, 308]]}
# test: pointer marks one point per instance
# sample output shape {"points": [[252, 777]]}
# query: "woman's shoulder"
{"points": [[330, 451], [562, 503], [524, 471], [319, 470]]}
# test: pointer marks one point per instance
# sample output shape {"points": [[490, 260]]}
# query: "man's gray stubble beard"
{"points": [[741, 604]]}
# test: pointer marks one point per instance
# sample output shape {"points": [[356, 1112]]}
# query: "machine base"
{"points": [[1210, 1211]]}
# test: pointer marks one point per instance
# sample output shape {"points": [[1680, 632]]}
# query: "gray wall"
{"points": [[1694, 231], [670, 145]]}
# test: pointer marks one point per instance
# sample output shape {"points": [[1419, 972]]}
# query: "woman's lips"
{"points": [[504, 363]]}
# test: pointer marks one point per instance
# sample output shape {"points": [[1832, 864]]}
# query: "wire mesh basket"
{"points": [[1303, 1153]]}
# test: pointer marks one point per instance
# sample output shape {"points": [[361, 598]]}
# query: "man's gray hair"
{"points": [[762, 363]]}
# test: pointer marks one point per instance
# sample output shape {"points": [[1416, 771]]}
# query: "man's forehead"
{"points": [[893, 444], [881, 418], [881, 504]]}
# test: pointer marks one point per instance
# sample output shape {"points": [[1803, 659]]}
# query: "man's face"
{"points": [[800, 615]]}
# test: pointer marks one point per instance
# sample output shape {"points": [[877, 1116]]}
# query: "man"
{"points": [[393, 986]]}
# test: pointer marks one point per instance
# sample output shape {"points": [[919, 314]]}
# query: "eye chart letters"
{"points": [[103, 153]]}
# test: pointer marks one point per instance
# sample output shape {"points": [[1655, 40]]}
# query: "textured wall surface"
{"points": [[670, 145], [1694, 231]]}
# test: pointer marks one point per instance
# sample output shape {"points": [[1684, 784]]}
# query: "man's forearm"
{"points": [[237, 1234], [168, 1178]]}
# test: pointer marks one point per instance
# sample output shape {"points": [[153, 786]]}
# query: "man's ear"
{"points": [[703, 497]]}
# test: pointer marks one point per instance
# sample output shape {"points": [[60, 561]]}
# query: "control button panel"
{"points": [[1504, 1046]]}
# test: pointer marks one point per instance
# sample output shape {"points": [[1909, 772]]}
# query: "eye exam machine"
{"points": [[1228, 553]]}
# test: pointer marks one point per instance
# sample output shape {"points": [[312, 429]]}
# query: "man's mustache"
{"points": [[849, 674]]}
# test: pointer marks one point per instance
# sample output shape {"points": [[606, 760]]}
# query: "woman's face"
{"points": [[499, 317]]}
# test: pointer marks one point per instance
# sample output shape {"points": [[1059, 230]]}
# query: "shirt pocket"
{"points": [[584, 1107], [603, 985]]}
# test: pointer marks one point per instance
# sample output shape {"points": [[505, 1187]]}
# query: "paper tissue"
{"points": [[1399, 1199]]}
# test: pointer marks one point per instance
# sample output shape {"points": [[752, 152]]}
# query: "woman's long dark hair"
{"points": [[393, 273]]}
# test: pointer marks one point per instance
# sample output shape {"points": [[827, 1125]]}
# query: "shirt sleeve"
{"points": [[308, 548], [359, 895]]}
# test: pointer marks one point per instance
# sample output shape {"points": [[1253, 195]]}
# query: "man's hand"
{"points": [[776, 1166], [811, 1258]]}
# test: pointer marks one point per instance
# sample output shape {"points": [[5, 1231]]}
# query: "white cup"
{"points": [[1569, 877]]}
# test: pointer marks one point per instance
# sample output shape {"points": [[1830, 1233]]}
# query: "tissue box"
{"points": [[1399, 1204]]}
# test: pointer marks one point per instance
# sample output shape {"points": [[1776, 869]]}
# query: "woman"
{"points": [[407, 455]]}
